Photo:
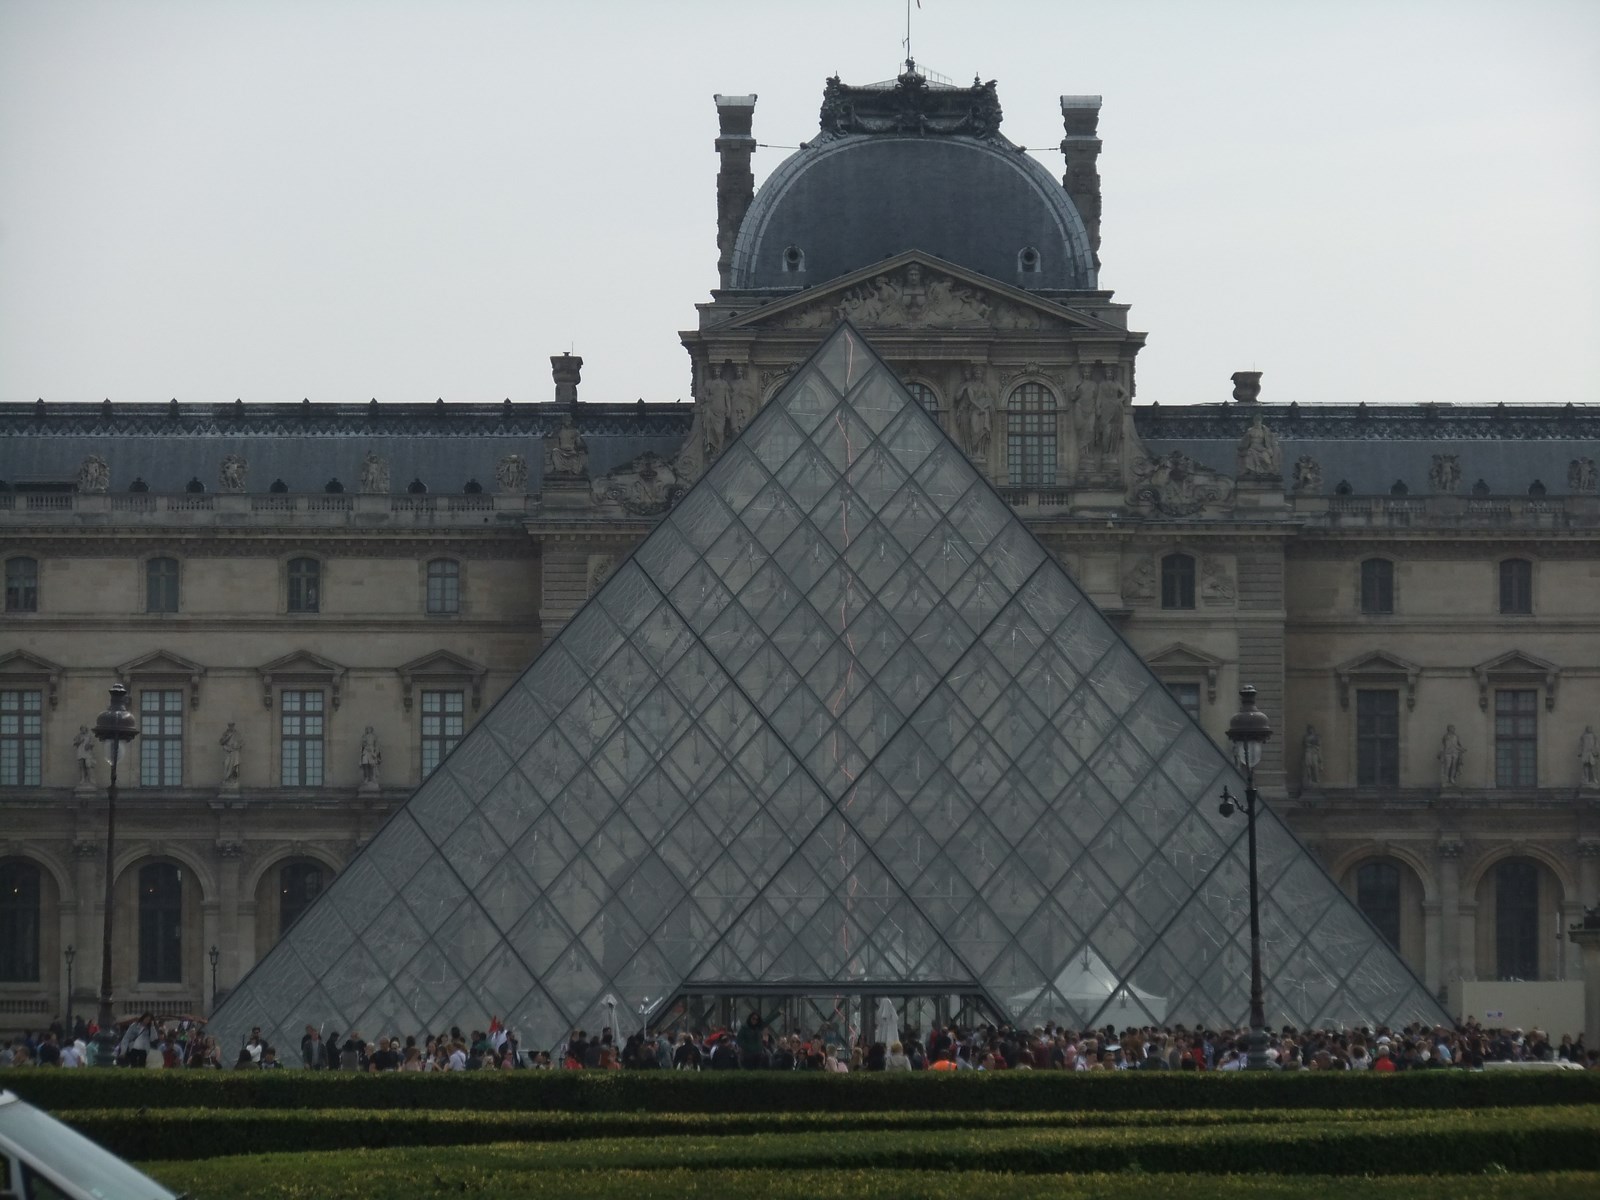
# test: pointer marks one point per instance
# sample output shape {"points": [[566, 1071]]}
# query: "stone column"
{"points": [[1432, 959], [1587, 939], [1450, 922], [736, 184], [227, 932]]}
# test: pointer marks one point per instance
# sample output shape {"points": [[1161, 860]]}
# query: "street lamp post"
{"points": [[116, 726], [72, 953], [215, 956], [1248, 731]]}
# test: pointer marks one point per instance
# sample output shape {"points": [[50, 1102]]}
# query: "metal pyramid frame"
{"points": [[840, 724]]}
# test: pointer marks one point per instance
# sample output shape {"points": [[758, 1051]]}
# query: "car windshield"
{"points": [[73, 1158]]}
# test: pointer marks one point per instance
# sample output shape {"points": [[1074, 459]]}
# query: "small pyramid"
{"points": [[840, 725]]}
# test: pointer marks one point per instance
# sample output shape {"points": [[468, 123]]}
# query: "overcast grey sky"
{"points": [[408, 199]]}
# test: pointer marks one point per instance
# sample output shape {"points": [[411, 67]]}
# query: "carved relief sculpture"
{"points": [[743, 400], [511, 474], [231, 476], [1216, 586], [566, 454], [1451, 755], [1140, 582], [644, 487], [1310, 758], [371, 759], [374, 474], [600, 568], [1307, 474], [1588, 759], [232, 744], [1174, 485], [1099, 403], [1445, 474], [83, 750], [908, 298], [94, 477], [1260, 455], [1581, 477]]}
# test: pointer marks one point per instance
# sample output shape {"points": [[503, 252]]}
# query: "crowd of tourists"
{"points": [[148, 1043]]}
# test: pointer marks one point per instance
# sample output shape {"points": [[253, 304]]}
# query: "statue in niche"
{"points": [[1310, 758], [716, 410], [565, 452], [1260, 456], [231, 478], [1445, 474], [511, 474], [83, 751], [1307, 474], [744, 398], [1588, 759], [1099, 415], [974, 413], [1451, 756], [232, 744], [374, 474], [1581, 476], [94, 476], [371, 758]]}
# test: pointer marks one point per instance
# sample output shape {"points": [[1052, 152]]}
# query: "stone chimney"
{"points": [[565, 369], [1247, 386], [1080, 117], [736, 186]]}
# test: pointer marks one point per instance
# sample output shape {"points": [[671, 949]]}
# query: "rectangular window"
{"points": [[1188, 695], [161, 738], [161, 585], [305, 585], [444, 586], [443, 716], [1377, 586], [1177, 581], [1516, 587], [301, 726], [1516, 738], [1377, 739], [22, 585], [21, 738]]}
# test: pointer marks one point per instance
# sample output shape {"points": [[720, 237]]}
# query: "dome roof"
{"points": [[858, 195]]}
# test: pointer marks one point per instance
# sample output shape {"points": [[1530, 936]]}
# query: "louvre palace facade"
{"points": [[312, 605]]}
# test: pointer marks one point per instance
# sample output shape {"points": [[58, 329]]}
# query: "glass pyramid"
{"points": [[840, 726]]}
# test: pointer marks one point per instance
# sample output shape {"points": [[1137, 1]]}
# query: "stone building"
{"points": [[1410, 587]]}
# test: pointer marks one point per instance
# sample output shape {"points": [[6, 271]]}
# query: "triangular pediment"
{"points": [[1378, 667], [19, 666], [1517, 667], [1179, 655], [160, 662], [442, 667], [300, 667], [915, 291], [840, 724]]}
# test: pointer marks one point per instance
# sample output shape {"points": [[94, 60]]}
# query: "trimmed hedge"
{"points": [[761, 1091], [182, 1133], [372, 1177]]}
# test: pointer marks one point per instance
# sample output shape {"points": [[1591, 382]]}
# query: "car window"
{"points": [[36, 1187]]}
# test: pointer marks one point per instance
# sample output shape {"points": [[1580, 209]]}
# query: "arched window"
{"points": [[305, 585], [1377, 585], [161, 585], [19, 922], [444, 586], [1177, 581], [1516, 587], [299, 883], [1378, 896], [22, 584], [160, 923], [1031, 436], [925, 396], [1516, 919]]}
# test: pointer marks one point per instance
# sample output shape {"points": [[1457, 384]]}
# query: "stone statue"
{"points": [[1451, 755], [1445, 474], [1099, 413], [1260, 456], [232, 475], [1588, 758], [1139, 583], [93, 475], [1310, 758], [1581, 476], [743, 400], [974, 414], [83, 750], [371, 758], [716, 410], [374, 474], [511, 473], [232, 744], [565, 451], [1307, 474]]}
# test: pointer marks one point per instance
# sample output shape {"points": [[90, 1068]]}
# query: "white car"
{"points": [[42, 1159]]}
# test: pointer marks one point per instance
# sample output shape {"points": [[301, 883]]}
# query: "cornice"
{"points": [[224, 542]]}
